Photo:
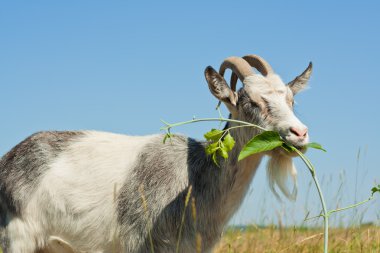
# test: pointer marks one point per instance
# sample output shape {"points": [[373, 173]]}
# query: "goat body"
{"points": [[102, 192]]}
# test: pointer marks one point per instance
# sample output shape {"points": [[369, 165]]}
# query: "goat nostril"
{"points": [[294, 131], [299, 132]]}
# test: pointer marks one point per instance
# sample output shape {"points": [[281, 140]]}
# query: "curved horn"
{"points": [[257, 62], [240, 68]]}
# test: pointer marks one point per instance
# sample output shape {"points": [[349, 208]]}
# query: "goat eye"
{"points": [[254, 104]]}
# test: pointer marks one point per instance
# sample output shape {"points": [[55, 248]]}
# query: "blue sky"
{"points": [[121, 66]]}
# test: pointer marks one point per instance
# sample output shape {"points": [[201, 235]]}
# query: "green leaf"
{"points": [[316, 146], [214, 159], [265, 141], [223, 153], [212, 148], [228, 142], [213, 135], [375, 189]]}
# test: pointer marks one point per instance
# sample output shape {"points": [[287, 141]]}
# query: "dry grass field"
{"points": [[364, 239]]}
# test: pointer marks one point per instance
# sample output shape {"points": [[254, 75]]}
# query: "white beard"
{"points": [[279, 168]]}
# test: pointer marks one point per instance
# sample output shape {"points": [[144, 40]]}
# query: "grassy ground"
{"points": [[365, 239]]}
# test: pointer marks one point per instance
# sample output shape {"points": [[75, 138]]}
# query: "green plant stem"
{"points": [[351, 206], [325, 214], [343, 208], [168, 125], [230, 128]]}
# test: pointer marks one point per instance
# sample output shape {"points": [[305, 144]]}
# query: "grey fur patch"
{"points": [[3, 215], [22, 167], [250, 110], [152, 200]]}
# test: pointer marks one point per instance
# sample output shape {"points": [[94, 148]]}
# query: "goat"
{"points": [[102, 192]]}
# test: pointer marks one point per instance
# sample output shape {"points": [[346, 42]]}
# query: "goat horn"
{"points": [[257, 62], [239, 67]]}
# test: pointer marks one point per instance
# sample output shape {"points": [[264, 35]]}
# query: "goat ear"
{"points": [[219, 87], [300, 82]]}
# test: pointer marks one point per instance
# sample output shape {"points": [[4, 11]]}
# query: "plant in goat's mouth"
{"points": [[221, 142]]}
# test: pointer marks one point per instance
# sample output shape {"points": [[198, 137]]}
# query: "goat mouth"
{"points": [[303, 149], [300, 147], [291, 153]]}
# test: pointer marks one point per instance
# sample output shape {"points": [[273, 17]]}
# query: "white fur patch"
{"points": [[264, 85], [279, 168], [79, 191]]}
